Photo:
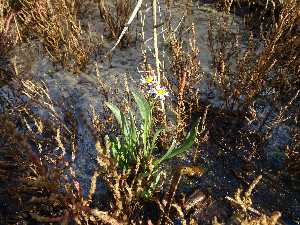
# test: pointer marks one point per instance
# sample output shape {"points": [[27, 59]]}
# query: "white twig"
{"points": [[137, 7], [155, 41]]}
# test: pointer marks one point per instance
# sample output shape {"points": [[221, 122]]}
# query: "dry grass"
{"points": [[253, 76], [7, 39], [57, 26], [243, 205], [256, 74], [185, 65]]}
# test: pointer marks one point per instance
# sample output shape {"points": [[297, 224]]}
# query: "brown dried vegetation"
{"points": [[7, 39], [57, 26]]}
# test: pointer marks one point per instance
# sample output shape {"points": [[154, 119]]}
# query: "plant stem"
{"points": [[155, 40]]}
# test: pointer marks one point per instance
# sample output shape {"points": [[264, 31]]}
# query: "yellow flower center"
{"points": [[161, 92], [149, 79]]}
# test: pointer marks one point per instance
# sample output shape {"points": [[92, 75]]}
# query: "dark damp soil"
{"points": [[229, 167]]}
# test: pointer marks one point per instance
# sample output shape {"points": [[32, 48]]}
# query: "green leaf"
{"points": [[134, 138], [155, 137], [189, 140], [148, 193], [114, 145], [120, 118], [166, 156], [143, 175], [119, 153], [145, 111], [133, 130], [143, 106], [154, 183]]}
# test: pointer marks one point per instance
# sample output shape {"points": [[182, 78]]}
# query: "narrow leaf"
{"points": [[155, 137], [133, 130], [183, 146], [145, 111], [166, 156], [143, 105], [120, 118], [133, 139], [188, 141]]}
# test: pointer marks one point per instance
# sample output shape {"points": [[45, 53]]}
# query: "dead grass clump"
{"points": [[291, 166], [7, 40], [55, 192], [182, 80], [243, 205], [56, 25], [293, 159], [126, 186], [245, 76], [47, 147], [263, 13], [116, 15], [50, 189], [259, 82], [254, 9], [224, 5], [185, 65], [54, 195], [13, 166]]}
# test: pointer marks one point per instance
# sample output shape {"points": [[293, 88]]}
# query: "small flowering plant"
{"points": [[149, 80], [155, 88], [160, 92], [135, 146]]}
